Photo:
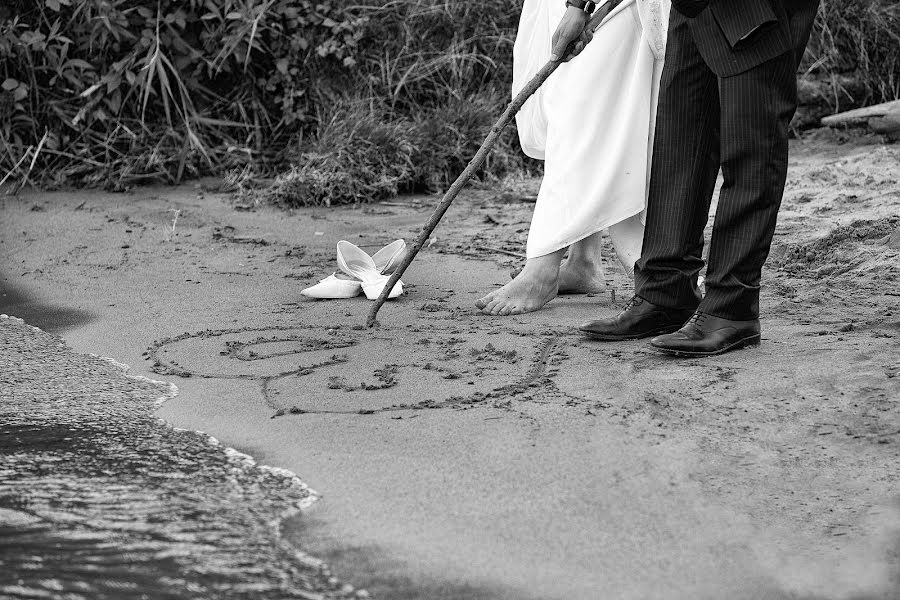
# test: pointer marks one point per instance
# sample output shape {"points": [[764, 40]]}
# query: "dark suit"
{"points": [[727, 96]]}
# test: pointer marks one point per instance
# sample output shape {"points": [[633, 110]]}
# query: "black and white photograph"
{"points": [[450, 300]]}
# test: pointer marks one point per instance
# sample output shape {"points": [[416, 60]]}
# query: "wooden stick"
{"points": [[530, 88]]}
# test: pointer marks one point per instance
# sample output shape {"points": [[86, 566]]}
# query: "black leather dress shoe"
{"points": [[639, 319], [706, 335]]}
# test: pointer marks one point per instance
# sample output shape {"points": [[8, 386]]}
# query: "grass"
{"points": [[332, 102], [856, 47]]}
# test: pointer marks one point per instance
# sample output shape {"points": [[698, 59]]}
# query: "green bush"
{"points": [[364, 154], [349, 102], [115, 92], [358, 156], [428, 81]]}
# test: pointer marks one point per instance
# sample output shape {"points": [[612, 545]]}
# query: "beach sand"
{"points": [[461, 456]]}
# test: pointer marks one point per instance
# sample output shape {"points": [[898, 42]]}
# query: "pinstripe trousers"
{"points": [[705, 121]]}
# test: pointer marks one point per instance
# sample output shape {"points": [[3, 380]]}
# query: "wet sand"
{"points": [[463, 456]]}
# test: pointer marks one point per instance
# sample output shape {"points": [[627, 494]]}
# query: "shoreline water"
{"points": [[240, 458], [61, 487]]}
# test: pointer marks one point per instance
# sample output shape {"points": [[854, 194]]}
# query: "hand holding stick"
{"points": [[530, 88]]}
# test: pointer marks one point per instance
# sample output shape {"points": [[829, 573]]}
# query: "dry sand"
{"points": [[462, 456]]}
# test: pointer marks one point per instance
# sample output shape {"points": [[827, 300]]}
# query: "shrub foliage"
{"points": [[860, 41], [119, 90], [349, 102], [372, 98]]}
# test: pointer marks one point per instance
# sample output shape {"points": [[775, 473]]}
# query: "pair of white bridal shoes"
{"points": [[367, 274]]}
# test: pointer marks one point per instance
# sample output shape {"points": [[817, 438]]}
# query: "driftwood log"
{"points": [[882, 118], [530, 88], [817, 95]]}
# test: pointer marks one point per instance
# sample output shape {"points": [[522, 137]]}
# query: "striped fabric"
{"points": [[708, 120]]}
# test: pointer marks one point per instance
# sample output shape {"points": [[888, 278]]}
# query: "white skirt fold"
{"points": [[591, 123]]}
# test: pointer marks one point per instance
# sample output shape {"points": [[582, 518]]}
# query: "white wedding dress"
{"points": [[592, 121]]}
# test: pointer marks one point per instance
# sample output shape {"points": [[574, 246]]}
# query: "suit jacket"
{"points": [[734, 36]]}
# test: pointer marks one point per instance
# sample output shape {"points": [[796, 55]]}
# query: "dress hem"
{"points": [[609, 224]]}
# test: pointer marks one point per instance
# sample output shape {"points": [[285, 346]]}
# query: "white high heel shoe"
{"points": [[369, 273], [388, 258], [333, 287], [358, 264]]}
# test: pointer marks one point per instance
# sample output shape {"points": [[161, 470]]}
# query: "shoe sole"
{"points": [[753, 340], [624, 338]]}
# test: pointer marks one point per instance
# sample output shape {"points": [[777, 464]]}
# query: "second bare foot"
{"points": [[581, 278]]}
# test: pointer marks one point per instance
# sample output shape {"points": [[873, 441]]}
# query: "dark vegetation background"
{"points": [[325, 101]]}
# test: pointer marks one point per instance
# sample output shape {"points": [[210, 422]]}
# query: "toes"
{"points": [[490, 306], [521, 309], [482, 302], [503, 307], [497, 307]]}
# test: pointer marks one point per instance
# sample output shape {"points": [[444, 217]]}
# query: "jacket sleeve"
{"points": [[738, 23]]}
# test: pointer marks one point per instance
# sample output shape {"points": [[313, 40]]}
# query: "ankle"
{"points": [[583, 265], [542, 266]]}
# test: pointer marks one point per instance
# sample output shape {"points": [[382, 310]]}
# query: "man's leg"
{"points": [[757, 107], [683, 174]]}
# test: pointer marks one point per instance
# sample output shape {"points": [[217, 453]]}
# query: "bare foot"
{"points": [[534, 287], [581, 278], [576, 279]]}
